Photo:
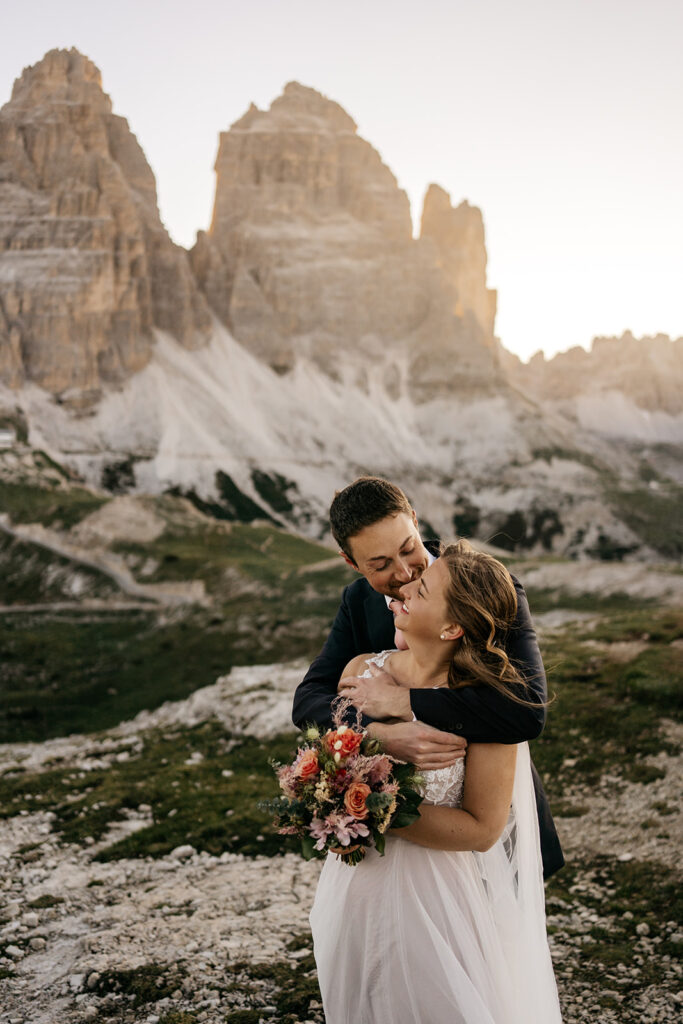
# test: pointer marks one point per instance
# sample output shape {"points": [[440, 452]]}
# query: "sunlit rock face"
{"points": [[86, 268], [310, 252], [649, 371], [458, 236]]}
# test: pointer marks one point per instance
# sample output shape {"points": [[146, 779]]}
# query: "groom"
{"points": [[376, 529]]}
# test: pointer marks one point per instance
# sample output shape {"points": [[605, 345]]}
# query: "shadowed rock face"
{"points": [[87, 267], [310, 252]]}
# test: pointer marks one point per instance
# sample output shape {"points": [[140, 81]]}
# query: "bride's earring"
{"points": [[443, 636]]}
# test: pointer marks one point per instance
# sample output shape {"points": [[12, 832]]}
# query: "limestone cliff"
{"points": [[649, 371], [458, 236], [310, 252], [86, 266]]}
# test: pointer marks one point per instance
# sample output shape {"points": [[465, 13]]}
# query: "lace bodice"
{"points": [[443, 785]]}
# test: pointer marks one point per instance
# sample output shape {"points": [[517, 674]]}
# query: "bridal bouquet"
{"points": [[341, 793]]}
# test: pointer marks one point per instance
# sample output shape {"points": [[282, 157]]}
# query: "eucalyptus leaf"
{"points": [[404, 817], [376, 801], [308, 850]]}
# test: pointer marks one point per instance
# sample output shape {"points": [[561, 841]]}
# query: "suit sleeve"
{"points": [[480, 713], [314, 694]]}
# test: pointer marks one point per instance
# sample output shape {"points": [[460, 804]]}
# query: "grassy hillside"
{"points": [[79, 669]]}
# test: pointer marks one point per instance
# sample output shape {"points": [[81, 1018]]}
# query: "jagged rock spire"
{"points": [[87, 267]]}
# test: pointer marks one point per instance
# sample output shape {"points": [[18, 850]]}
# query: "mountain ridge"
{"points": [[307, 337]]}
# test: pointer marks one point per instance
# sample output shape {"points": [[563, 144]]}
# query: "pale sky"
{"points": [[561, 121]]}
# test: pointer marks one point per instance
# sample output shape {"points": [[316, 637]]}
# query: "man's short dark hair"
{"points": [[364, 502]]}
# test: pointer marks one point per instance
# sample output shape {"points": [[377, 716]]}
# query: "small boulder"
{"points": [[182, 852]]}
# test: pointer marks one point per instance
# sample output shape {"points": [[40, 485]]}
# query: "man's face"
{"points": [[390, 553]]}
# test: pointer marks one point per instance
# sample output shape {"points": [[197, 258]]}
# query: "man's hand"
{"points": [[424, 746], [379, 697]]}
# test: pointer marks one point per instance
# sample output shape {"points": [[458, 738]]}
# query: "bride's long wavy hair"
{"points": [[481, 598]]}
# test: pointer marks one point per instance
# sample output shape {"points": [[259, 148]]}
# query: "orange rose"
{"points": [[354, 800], [307, 764], [344, 741]]}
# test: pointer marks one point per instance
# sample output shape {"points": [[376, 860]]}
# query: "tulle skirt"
{"points": [[424, 936]]}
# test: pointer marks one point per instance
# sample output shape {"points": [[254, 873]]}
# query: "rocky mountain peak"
{"points": [[302, 156], [299, 108], [458, 236], [304, 105], [304, 252], [61, 76], [310, 251], [648, 371], [88, 269]]}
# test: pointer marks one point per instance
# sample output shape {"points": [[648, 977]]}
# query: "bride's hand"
{"points": [[379, 696]]}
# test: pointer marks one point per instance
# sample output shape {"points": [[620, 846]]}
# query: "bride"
{"points": [[449, 926]]}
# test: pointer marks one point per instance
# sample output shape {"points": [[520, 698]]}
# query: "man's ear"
{"points": [[349, 561], [452, 632]]}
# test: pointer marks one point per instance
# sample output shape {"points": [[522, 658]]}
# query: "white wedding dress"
{"points": [[424, 936]]}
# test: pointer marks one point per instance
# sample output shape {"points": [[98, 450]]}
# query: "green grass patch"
{"points": [[146, 984], [42, 902], [191, 802], [81, 673], [565, 809], [262, 555], [84, 671], [644, 622], [542, 600], [606, 715], [654, 678], [624, 897], [569, 455], [30, 574], [653, 515], [15, 421], [662, 807], [295, 986], [56, 506]]}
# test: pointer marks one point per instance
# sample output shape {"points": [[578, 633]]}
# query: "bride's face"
{"points": [[424, 612]]}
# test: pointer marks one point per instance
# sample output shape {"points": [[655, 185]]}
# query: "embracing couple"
{"points": [[436, 648]]}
